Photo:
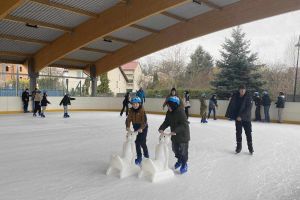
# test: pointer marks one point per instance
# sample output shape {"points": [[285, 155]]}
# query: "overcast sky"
{"points": [[272, 38]]}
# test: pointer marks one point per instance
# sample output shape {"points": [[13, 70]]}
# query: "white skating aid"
{"points": [[125, 164], [158, 169]]}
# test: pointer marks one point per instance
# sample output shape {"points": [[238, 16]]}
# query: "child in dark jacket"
{"points": [[65, 102], [177, 120], [44, 104], [137, 116]]}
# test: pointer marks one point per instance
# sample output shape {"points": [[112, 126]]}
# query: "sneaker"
{"points": [[177, 165], [183, 168]]}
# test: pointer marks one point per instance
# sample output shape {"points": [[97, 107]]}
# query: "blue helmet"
{"points": [[136, 100], [174, 99]]}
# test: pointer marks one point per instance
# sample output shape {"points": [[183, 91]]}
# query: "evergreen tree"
{"points": [[200, 60], [198, 70], [237, 66], [104, 86]]}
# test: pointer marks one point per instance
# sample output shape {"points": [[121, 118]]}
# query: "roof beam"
{"points": [[95, 50], [17, 54], [215, 20], [23, 39], [174, 16], [8, 6], [65, 66], [118, 17], [65, 8], [38, 23], [143, 28], [11, 61], [76, 61]]}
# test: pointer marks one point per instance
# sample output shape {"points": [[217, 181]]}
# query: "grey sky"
{"points": [[272, 38]]}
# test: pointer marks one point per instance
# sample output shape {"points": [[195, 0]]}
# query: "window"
{"points": [[7, 68], [20, 69]]}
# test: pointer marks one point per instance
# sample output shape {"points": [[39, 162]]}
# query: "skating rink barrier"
{"points": [[291, 113]]}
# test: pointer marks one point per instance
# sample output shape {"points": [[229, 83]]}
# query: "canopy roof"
{"points": [[109, 33]]}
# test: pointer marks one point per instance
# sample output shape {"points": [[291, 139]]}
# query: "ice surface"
{"points": [[56, 158]]}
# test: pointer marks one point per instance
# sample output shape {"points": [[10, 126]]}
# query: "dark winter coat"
{"points": [[25, 96], [243, 110], [266, 101], [126, 99], [44, 101], [213, 103], [257, 100], [178, 123], [66, 100], [280, 101]]}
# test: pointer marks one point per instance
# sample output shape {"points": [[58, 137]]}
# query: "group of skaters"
{"points": [[265, 102], [175, 119], [40, 102], [239, 110]]}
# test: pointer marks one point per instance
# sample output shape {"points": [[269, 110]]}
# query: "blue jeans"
{"points": [[267, 115]]}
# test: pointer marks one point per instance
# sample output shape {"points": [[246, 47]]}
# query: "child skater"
{"points": [[137, 116], [44, 104], [65, 102], [203, 108], [177, 120]]}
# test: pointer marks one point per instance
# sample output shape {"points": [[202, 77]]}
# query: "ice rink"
{"points": [[66, 159]]}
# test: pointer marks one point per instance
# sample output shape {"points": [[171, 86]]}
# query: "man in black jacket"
{"points": [[257, 101], [240, 109], [25, 99], [266, 102]]}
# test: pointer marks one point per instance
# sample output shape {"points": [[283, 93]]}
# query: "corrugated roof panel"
{"points": [[190, 10], [130, 33], [223, 3], [68, 63], [40, 12], [85, 55], [21, 30], [107, 46], [158, 22], [21, 47], [95, 6]]}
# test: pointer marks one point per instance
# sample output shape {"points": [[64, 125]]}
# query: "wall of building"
{"points": [[14, 104], [117, 82]]}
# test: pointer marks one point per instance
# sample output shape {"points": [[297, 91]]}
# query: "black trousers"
{"points": [[25, 106], [239, 125], [125, 106], [181, 151], [37, 107], [186, 109], [257, 113], [214, 111], [140, 142]]}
